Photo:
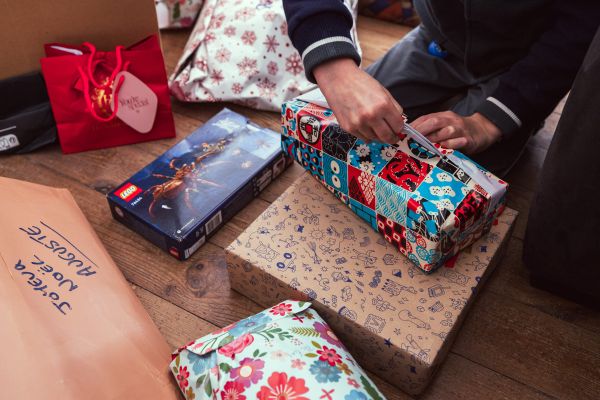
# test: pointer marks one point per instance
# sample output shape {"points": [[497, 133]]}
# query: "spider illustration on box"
{"points": [[186, 178]]}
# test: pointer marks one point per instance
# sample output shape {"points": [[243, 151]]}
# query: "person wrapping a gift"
{"points": [[476, 75]]}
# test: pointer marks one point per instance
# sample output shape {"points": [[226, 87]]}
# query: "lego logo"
{"points": [[128, 191]]}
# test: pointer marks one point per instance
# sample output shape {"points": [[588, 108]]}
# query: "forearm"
{"points": [[320, 31]]}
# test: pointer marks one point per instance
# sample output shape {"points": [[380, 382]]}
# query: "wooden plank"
{"points": [[458, 378], [519, 198], [376, 37], [176, 325], [511, 280], [199, 285], [531, 347], [173, 43]]}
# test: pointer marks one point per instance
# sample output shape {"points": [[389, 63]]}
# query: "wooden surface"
{"points": [[517, 342]]}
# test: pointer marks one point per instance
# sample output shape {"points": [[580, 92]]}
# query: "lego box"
{"points": [[186, 194], [397, 321]]}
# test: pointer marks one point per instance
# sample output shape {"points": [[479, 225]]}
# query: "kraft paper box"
{"points": [[397, 321], [284, 352], [411, 188], [71, 326]]}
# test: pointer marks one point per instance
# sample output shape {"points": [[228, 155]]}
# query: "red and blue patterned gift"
{"points": [[427, 201]]}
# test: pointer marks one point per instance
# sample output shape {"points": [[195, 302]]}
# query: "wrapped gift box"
{"points": [[414, 188], [397, 321], [284, 352]]}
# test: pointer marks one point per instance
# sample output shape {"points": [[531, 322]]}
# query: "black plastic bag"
{"points": [[26, 121]]}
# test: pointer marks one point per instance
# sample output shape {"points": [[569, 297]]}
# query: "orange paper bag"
{"points": [[71, 326]]}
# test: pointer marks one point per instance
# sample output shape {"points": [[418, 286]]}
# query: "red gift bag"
{"points": [[80, 86]]}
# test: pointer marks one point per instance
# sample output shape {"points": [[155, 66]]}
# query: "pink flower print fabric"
{"points": [[285, 352]]}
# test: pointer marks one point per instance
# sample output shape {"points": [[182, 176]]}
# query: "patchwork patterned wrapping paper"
{"points": [[285, 352], [409, 190], [397, 321]]}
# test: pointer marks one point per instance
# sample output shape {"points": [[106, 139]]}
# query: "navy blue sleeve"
{"points": [[532, 87], [320, 31]]}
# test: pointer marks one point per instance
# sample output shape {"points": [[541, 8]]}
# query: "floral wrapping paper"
{"points": [[286, 352], [397, 321], [239, 51], [427, 206]]}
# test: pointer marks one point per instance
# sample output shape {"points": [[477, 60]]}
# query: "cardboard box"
{"points": [[410, 189], [26, 25], [397, 321], [180, 199]]}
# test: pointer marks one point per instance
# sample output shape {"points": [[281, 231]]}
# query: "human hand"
{"points": [[361, 105], [471, 134]]}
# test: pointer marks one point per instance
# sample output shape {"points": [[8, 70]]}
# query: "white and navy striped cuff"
{"points": [[500, 115], [328, 49]]}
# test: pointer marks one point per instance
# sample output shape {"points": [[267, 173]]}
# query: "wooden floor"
{"points": [[517, 342]]}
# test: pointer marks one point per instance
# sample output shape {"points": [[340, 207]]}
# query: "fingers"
{"points": [[430, 123], [457, 143], [394, 116], [446, 133], [383, 132]]}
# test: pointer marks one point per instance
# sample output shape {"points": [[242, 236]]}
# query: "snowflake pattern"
{"points": [[293, 64], [240, 52], [237, 88], [267, 88], [216, 76], [247, 67], [229, 31], [217, 21], [272, 68], [271, 43], [210, 37], [249, 37], [245, 14], [223, 55]]}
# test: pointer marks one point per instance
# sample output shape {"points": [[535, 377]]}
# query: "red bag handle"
{"points": [[89, 77]]}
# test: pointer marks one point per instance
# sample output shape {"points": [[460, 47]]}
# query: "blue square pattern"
{"points": [[371, 157], [391, 201], [364, 212], [442, 189], [312, 160], [336, 173]]}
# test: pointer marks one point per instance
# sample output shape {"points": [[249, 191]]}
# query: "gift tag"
{"points": [[137, 102]]}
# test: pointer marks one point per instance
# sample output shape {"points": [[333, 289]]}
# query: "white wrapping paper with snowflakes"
{"points": [[285, 352], [427, 201], [240, 51]]}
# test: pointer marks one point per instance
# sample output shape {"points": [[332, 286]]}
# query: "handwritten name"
{"points": [[39, 274], [70, 255]]}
